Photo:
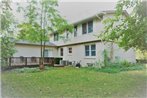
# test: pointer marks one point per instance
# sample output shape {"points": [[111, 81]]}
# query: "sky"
{"points": [[75, 10]]}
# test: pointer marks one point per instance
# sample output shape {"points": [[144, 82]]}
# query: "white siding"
{"points": [[31, 50], [78, 53]]}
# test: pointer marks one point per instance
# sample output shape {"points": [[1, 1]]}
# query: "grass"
{"points": [[117, 68], [72, 83]]}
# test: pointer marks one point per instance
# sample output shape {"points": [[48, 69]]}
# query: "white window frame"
{"points": [[45, 53], [69, 50], [90, 50]]}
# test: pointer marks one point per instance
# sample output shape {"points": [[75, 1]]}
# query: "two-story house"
{"points": [[81, 45]]}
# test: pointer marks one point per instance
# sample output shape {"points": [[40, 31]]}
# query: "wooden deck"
{"points": [[30, 61]]}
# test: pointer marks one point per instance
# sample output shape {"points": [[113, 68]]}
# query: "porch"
{"points": [[33, 61]]}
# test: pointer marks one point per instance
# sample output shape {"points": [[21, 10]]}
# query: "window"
{"points": [[90, 26], [56, 37], [90, 50], [87, 50], [61, 51], [69, 50], [93, 50], [84, 28], [75, 31], [45, 53], [67, 35]]}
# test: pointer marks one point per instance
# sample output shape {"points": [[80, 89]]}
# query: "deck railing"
{"points": [[28, 61]]}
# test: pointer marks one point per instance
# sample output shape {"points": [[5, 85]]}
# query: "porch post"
{"points": [[10, 61], [26, 61]]}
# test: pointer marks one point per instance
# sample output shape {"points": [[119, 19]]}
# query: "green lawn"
{"points": [[71, 82]]}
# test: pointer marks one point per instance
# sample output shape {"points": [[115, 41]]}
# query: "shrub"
{"points": [[106, 58], [98, 64], [115, 67], [26, 70], [126, 63], [30, 70]]}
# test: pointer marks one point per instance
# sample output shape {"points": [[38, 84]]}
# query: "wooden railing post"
{"points": [[26, 61], [10, 61], [53, 61]]}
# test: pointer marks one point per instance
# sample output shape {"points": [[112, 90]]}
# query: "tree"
{"points": [[131, 32], [42, 19], [7, 39]]}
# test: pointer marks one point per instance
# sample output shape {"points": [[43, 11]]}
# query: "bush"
{"points": [[26, 70], [98, 64], [116, 67], [30, 70]]}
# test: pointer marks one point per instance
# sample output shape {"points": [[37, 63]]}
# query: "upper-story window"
{"points": [[56, 36], [87, 27], [75, 31], [84, 28], [90, 26], [67, 35]]}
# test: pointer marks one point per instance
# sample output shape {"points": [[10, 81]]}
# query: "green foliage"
{"points": [[142, 55], [121, 66], [31, 32], [106, 58], [30, 70], [26, 70], [42, 19], [131, 31], [115, 67], [7, 49], [7, 38], [99, 64]]}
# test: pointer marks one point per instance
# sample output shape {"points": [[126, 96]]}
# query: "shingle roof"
{"points": [[99, 13], [31, 43]]}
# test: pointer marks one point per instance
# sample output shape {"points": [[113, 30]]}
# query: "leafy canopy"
{"points": [[128, 31], [7, 38], [42, 19]]}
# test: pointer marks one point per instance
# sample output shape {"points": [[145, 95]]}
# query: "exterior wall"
{"points": [[78, 53], [33, 51], [97, 28], [121, 54]]}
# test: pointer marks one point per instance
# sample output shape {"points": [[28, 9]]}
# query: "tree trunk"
{"points": [[41, 65], [111, 52]]}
